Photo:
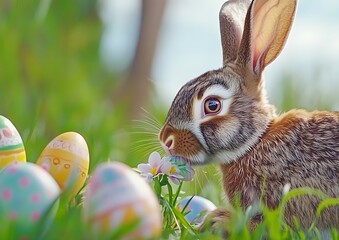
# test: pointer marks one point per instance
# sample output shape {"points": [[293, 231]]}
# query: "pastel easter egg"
{"points": [[196, 208], [28, 198], [11, 146], [66, 158], [116, 198]]}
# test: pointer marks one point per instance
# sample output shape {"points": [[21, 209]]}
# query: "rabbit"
{"points": [[223, 117]]}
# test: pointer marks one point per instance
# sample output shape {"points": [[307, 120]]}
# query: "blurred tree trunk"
{"points": [[134, 92]]}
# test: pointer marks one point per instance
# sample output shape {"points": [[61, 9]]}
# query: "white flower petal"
{"points": [[144, 167], [174, 180], [176, 175], [154, 159], [165, 167]]}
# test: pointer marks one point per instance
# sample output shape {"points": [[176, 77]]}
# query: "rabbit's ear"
{"points": [[232, 17], [267, 25]]}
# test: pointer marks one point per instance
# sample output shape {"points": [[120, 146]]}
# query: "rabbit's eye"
{"points": [[212, 105]]}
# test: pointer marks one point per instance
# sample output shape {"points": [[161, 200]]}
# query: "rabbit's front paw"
{"points": [[216, 221]]}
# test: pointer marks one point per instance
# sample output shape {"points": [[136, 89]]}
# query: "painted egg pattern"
{"points": [[196, 208], [66, 158], [26, 193], [11, 145], [116, 196]]}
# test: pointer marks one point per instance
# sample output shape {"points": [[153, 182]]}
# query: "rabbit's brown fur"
{"points": [[259, 152], [299, 148]]}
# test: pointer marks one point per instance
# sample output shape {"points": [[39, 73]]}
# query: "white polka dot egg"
{"points": [[27, 193]]}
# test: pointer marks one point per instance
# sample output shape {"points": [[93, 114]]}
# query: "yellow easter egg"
{"points": [[11, 146], [66, 158]]}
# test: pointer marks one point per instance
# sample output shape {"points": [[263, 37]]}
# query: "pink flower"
{"points": [[173, 167], [171, 171], [152, 168], [177, 169]]}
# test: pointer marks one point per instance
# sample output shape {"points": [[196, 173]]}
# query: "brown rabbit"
{"points": [[223, 117]]}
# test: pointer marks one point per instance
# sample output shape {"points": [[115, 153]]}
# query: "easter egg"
{"points": [[66, 158], [27, 198], [118, 198], [11, 146], [196, 208]]}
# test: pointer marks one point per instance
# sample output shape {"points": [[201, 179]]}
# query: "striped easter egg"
{"points": [[117, 198], [11, 146]]}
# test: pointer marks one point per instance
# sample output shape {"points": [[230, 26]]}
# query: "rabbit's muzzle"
{"points": [[180, 143]]}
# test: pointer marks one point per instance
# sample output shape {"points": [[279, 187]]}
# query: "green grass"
{"points": [[69, 223]]}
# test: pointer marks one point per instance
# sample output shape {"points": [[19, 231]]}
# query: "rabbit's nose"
{"points": [[166, 134], [169, 143], [166, 138]]}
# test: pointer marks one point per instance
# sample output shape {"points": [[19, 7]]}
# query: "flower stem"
{"points": [[170, 194], [157, 187], [177, 193]]}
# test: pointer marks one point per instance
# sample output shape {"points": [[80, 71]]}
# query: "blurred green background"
{"points": [[53, 80]]}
